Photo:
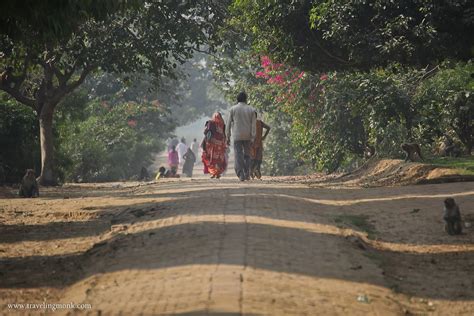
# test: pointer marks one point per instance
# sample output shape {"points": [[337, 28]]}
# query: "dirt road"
{"points": [[199, 246]]}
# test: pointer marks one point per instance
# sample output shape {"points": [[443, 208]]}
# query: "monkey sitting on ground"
{"points": [[144, 176], [369, 151], [452, 217], [448, 148], [29, 186], [410, 149]]}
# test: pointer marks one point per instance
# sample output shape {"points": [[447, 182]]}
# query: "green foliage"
{"points": [[19, 141], [383, 108], [124, 37], [333, 117], [340, 34], [55, 18], [447, 101], [349, 74], [280, 155], [114, 141]]}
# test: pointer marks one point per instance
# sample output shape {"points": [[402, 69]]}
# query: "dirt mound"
{"points": [[385, 172]]}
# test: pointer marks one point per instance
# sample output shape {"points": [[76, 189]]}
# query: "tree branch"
{"points": [[204, 52], [19, 80], [68, 74], [78, 82], [325, 51], [63, 90], [17, 95], [61, 77]]}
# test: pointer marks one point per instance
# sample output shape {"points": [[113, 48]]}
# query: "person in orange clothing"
{"points": [[256, 151], [214, 146]]}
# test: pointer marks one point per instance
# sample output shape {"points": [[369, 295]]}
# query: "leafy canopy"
{"points": [[356, 34]]}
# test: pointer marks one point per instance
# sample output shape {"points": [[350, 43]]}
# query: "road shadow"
{"points": [[267, 247], [52, 231], [296, 205]]}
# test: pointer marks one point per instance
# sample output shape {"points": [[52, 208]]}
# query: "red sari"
{"points": [[214, 146]]}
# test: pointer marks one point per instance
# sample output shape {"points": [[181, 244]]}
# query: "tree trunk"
{"points": [[47, 177]]}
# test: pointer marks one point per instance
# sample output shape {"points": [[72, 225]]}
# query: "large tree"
{"points": [[353, 34], [43, 62]]}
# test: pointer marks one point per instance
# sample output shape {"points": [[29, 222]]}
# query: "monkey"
{"points": [[449, 148], [6, 75], [452, 217], [144, 175], [29, 186], [410, 149], [452, 151], [369, 151]]}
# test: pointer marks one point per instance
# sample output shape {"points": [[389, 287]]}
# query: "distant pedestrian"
{"points": [[173, 160], [182, 148], [241, 125], [214, 146], [256, 151], [189, 160], [195, 146], [170, 142]]}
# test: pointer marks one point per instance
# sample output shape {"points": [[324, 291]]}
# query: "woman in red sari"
{"points": [[214, 146]]}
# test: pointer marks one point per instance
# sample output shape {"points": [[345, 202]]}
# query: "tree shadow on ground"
{"points": [[260, 202], [267, 247], [52, 231]]}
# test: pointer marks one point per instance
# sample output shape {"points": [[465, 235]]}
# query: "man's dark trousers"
{"points": [[242, 158]]}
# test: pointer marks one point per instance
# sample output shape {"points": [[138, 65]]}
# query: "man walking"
{"points": [[241, 125]]}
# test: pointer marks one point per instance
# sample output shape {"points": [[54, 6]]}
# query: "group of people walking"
{"points": [[246, 131], [243, 128]]}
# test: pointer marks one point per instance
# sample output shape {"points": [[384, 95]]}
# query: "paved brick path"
{"points": [[237, 249], [197, 247]]}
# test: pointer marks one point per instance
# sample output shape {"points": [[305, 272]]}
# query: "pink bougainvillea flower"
{"points": [[277, 66], [323, 77], [279, 79], [260, 74], [132, 123], [265, 61]]}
